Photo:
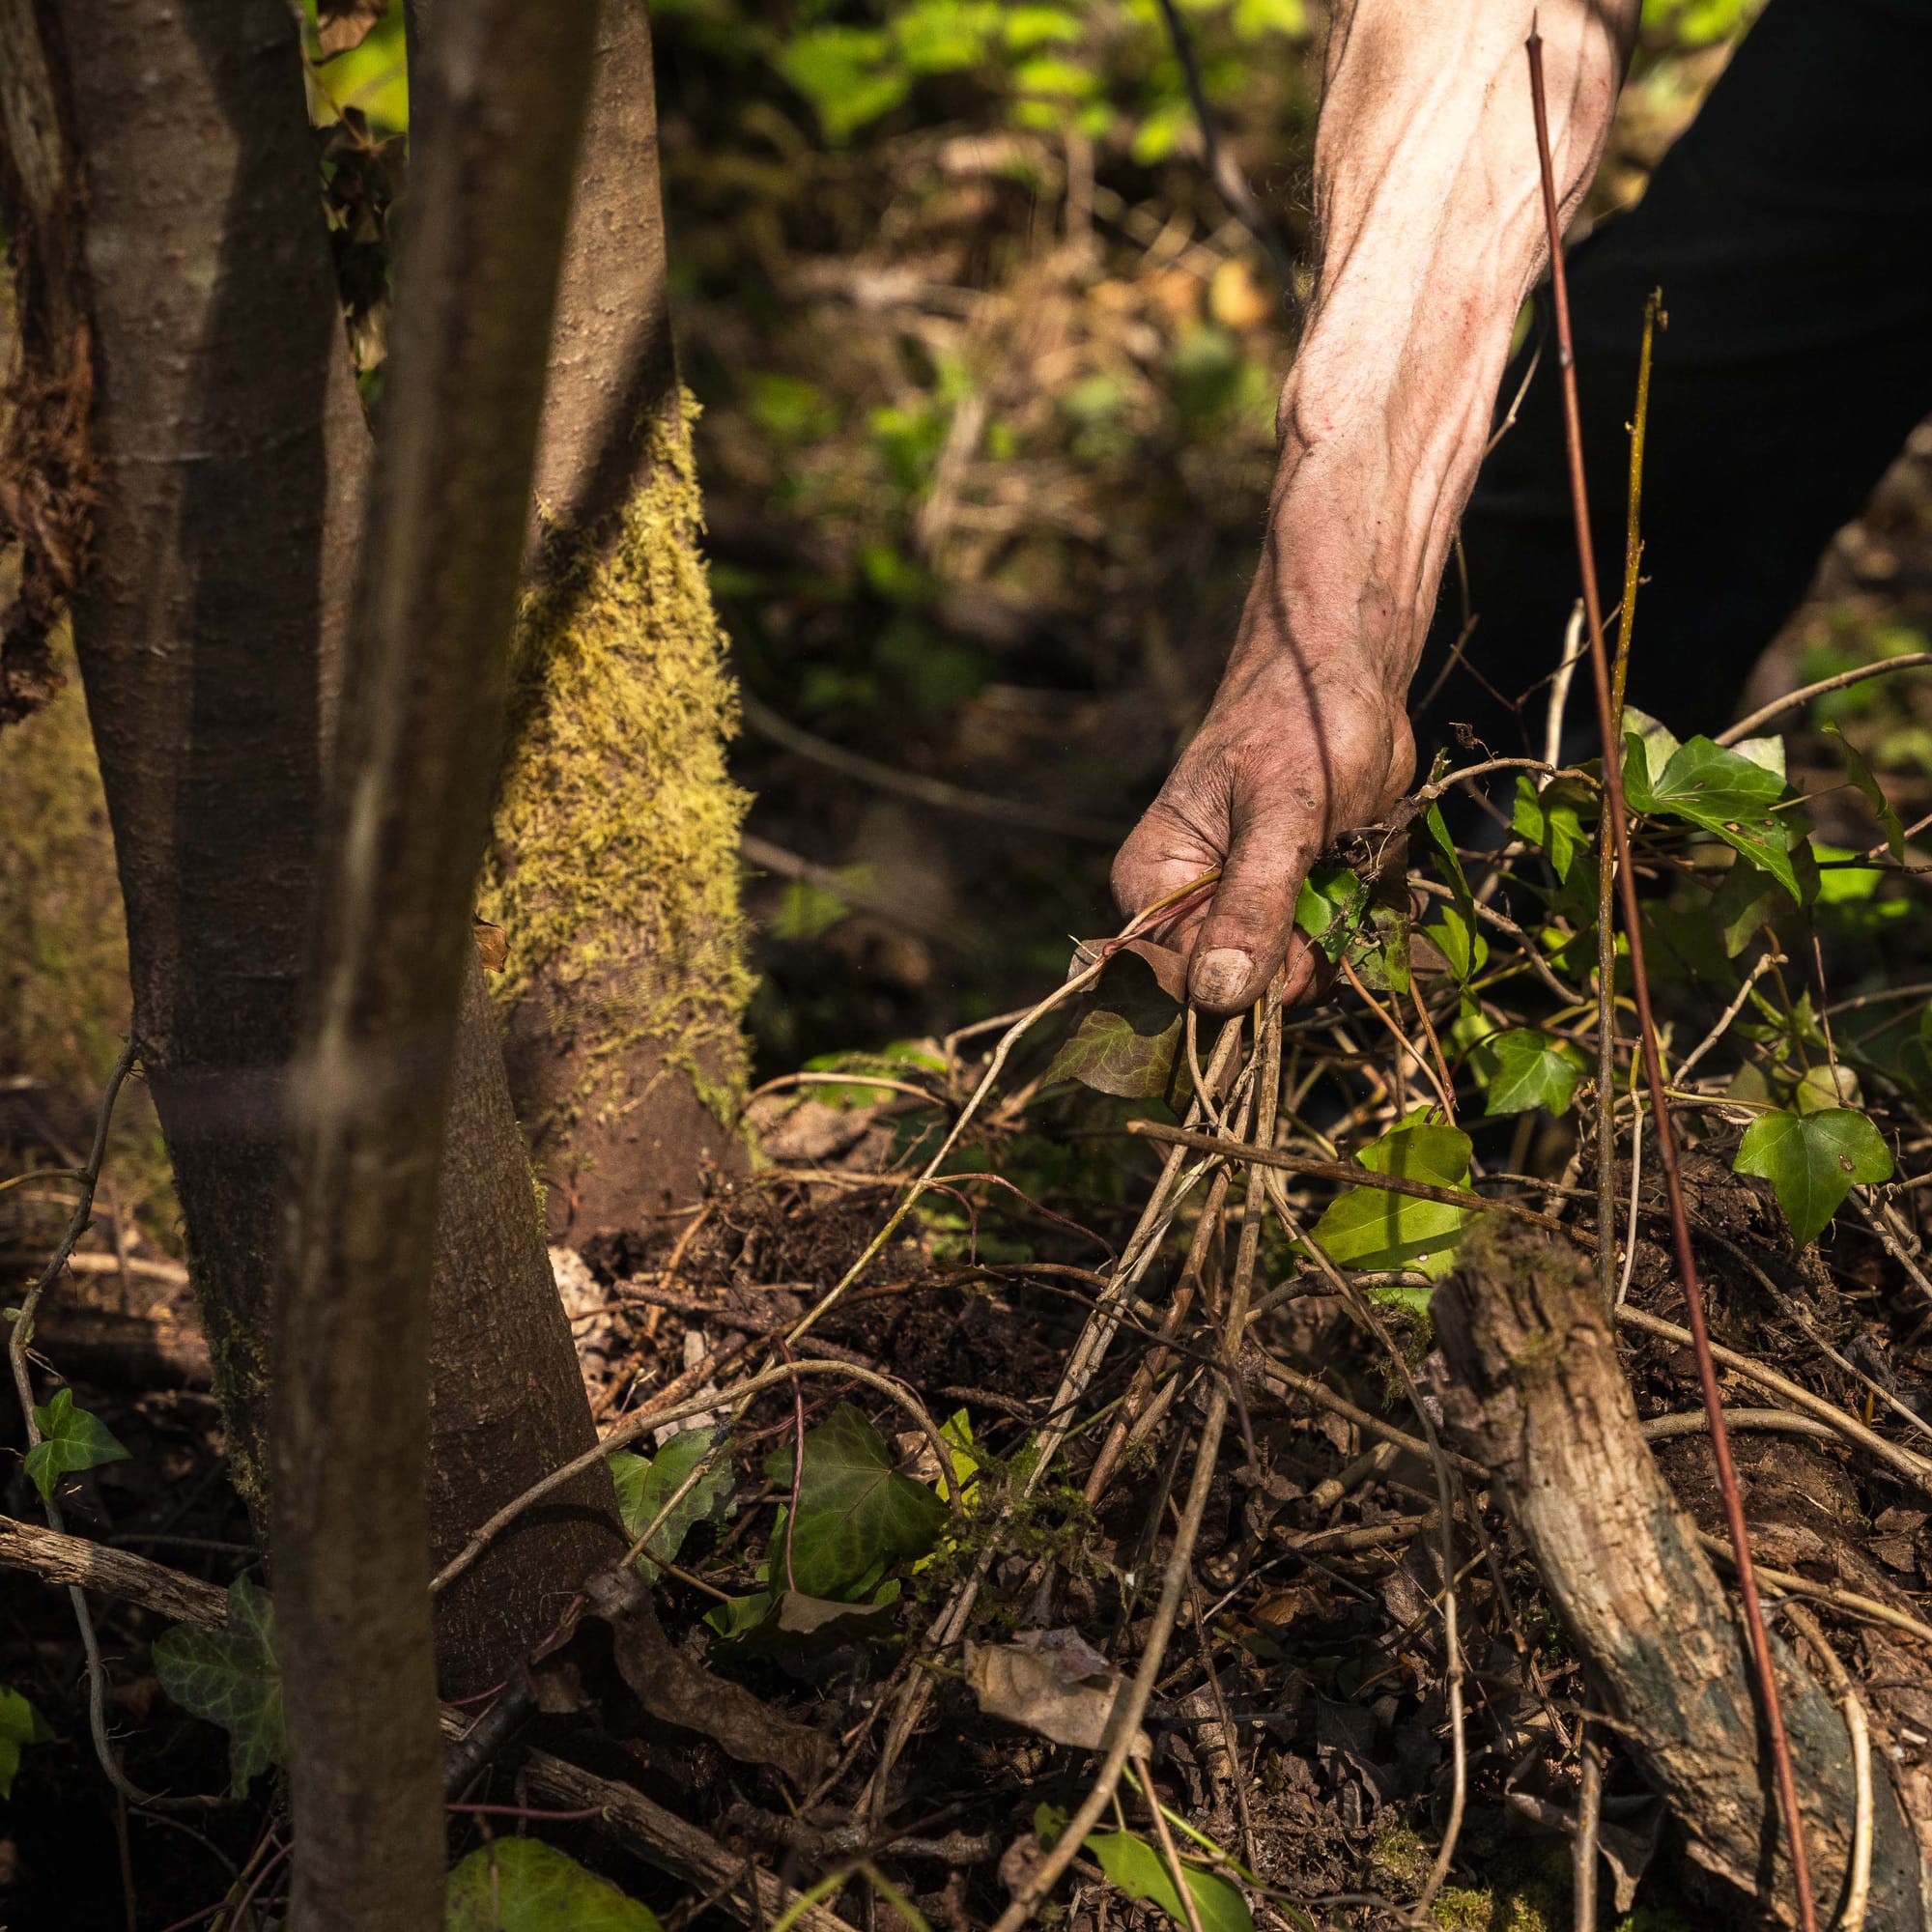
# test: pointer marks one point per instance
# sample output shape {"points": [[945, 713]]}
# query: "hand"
{"points": [[1294, 749]]}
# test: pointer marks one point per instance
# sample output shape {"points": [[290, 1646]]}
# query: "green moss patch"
{"points": [[614, 861]]}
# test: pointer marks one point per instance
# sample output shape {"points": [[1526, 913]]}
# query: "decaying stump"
{"points": [[1537, 1392]]}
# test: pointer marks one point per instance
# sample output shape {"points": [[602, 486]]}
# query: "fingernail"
{"points": [[1222, 975]]}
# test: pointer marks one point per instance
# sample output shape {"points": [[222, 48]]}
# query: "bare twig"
{"points": [[1609, 855], [1804, 694], [1351, 1177]]}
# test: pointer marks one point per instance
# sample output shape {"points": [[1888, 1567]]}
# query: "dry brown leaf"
{"points": [[342, 24], [1054, 1684], [493, 944]]}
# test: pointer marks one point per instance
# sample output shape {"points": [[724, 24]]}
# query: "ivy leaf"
{"points": [[20, 1725], [1463, 947], [1367, 1227], [1138, 1869], [1705, 785], [1660, 742], [1380, 951], [1811, 1161], [646, 1483], [231, 1678], [1552, 818], [1330, 903], [519, 1884], [855, 1511], [1745, 903], [1524, 1068], [71, 1439], [1129, 1029], [1861, 775], [1437, 831]]}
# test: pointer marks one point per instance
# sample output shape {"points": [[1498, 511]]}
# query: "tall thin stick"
{"points": [[1652, 1069], [1606, 938]]}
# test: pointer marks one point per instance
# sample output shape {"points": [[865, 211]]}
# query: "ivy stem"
{"points": [[1607, 874], [1653, 1066]]}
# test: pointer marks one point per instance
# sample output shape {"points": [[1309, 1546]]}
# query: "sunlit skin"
{"points": [[1429, 236]]}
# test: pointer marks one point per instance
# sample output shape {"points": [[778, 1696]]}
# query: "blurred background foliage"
{"points": [[988, 366]]}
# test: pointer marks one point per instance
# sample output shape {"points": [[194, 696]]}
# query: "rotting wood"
{"points": [[1535, 1390]]}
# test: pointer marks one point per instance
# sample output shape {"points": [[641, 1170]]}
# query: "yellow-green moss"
{"points": [[64, 992], [614, 861], [1530, 1892]]}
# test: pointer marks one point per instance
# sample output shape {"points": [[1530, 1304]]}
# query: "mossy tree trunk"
{"points": [[233, 461], [613, 869]]}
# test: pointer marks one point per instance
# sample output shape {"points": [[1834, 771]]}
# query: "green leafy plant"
{"points": [[230, 1677], [1811, 1161], [1523, 1068], [856, 1512], [519, 1884], [1370, 1228], [1139, 1870], [1127, 1035], [646, 1483], [71, 1439], [20, 1725]]}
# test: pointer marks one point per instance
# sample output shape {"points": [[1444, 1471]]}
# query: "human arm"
{"points": [[1429, 234]]}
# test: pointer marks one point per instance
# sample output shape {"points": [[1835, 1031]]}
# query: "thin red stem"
{"points": [[1653, 1069]]}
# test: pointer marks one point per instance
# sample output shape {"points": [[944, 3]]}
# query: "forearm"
{"points": [[1431, 231]]}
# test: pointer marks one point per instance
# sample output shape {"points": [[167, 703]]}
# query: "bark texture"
{"points": [[46, 470], [613, 864], [234, 470], [423, 713], [1537, 1392]]}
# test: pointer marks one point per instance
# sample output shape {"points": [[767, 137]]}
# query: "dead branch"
{"points": [[1536, 1390]]}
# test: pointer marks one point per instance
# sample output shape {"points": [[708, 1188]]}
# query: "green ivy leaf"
{"points": [[1140, 1871], [231, 1678], [70, 1439], [1129, 1031], [519, 1884], [1367, 1227], [1716, 790], [856, 1512], [1811, 1161], [1553, 819], [20, 1725], [1861, 775], [1329, 905], [1524, 1068], [646, 1483], [1455, 935]]}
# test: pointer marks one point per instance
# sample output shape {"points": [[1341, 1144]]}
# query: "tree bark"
{"points": [[613, 864], [234, 461], [1537, 1392], [423, 715]]}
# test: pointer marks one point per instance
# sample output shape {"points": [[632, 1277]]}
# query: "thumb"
{"points": [[1249, 929]]}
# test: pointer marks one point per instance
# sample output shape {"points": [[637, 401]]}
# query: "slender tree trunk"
{"points": [[232, 465], [614, 865], [423, 718]]}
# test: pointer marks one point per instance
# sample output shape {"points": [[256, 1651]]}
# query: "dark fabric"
{"points": [[1790, 230]]}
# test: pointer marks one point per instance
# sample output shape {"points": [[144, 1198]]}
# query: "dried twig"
{"points": [[1607, 856], [1804, 694]]}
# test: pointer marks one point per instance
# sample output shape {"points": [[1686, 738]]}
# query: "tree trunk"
{"points": [[233, 461], [1538, 1393], [614, 867], [423, 716]]}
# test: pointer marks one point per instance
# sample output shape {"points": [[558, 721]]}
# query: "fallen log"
{"points": [[1535, 1391]]}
